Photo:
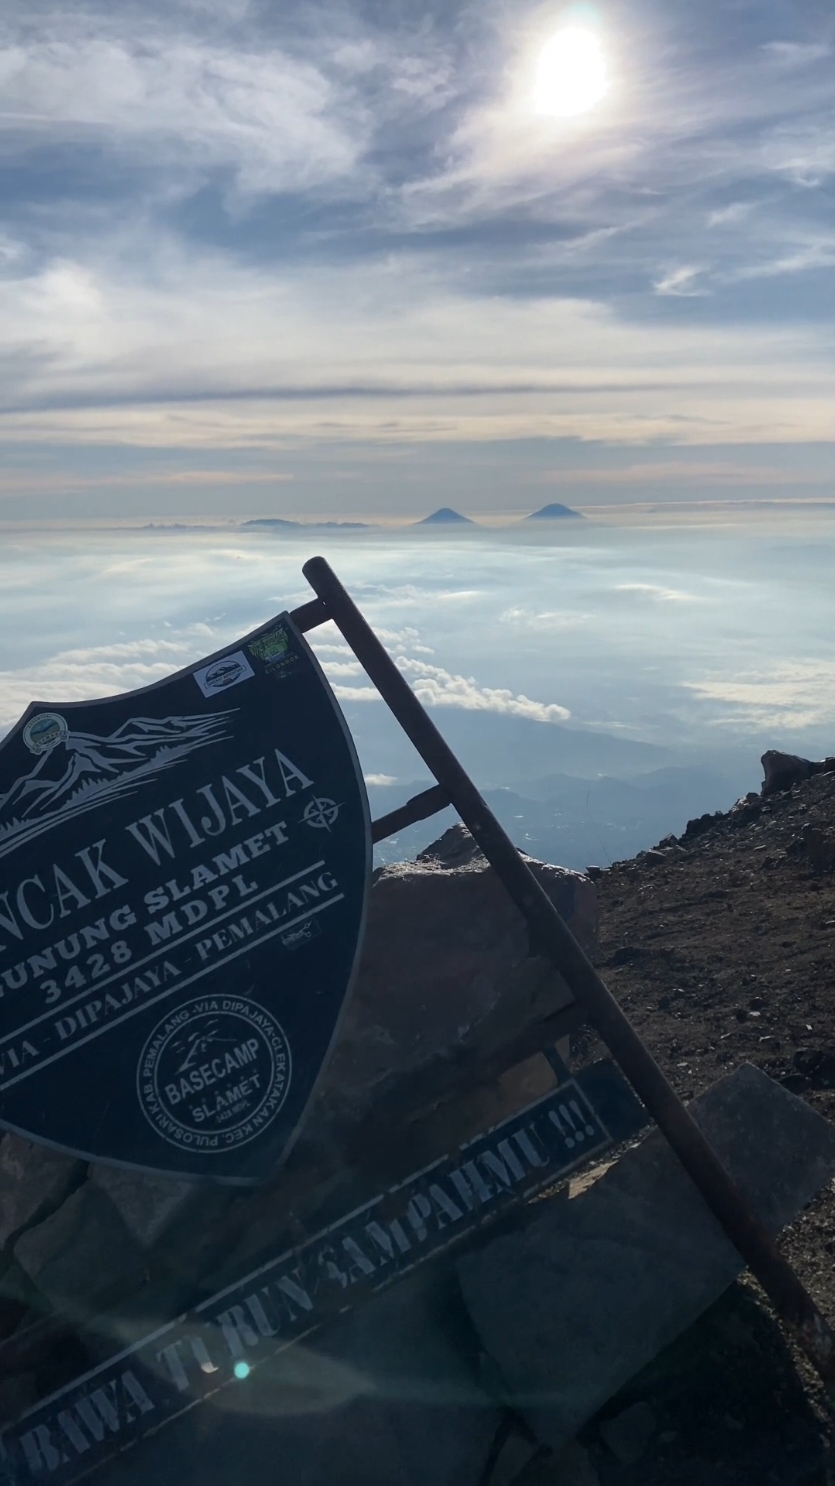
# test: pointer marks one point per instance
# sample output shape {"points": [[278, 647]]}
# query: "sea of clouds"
{"points": [[704, 635]]}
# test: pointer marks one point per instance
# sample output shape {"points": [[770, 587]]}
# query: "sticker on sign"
{"points": [[223, 673]]}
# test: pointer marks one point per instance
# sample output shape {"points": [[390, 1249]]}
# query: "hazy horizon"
{"points": [[671, 512], [656, 653]]}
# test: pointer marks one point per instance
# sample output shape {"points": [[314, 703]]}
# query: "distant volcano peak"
{"points": [[554, 512], [445, 516]]}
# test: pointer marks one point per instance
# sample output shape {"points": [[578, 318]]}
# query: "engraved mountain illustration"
{"points": [[86, 770]]}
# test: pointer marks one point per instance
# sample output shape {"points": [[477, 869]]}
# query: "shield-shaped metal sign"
{"points": [[183, 880]]}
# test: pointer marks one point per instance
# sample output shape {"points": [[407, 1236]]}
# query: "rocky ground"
{"points": [[720, 946]]}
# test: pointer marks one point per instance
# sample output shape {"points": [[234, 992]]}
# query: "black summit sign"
{"points": [[183, 877]]}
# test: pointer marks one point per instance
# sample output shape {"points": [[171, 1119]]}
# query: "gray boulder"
{"points": [[447, 968], [83, 1255], [595, 1286], [34, 1181], [147, 1205]]}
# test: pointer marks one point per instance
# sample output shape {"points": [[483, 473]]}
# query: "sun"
{"points": [[570, 73]]}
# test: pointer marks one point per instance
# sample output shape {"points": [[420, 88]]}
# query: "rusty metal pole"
{"points": [[551, 935]]}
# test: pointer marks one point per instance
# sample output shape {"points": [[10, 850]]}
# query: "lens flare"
{"points": [[241, 1370], [570, 74]]}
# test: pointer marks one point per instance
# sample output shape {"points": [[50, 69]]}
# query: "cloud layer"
{"points": [[105, 612], [259, 230]]}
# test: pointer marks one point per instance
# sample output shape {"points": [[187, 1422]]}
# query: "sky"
{"points": [[344, 258]]}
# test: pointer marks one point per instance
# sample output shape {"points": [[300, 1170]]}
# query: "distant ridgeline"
{"points": [[445, 516], [303, 525]]}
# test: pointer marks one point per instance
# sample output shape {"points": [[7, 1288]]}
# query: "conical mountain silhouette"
{"points": [[445, 516], [554, 512]]}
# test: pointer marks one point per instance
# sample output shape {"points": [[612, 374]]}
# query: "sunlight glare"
{"points": [[571, 73]]}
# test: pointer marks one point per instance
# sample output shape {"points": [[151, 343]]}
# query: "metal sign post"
{"points": [[550, 934]]}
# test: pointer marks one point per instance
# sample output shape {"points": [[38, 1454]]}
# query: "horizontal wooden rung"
{"points": [[420, 807], [307, 616]]}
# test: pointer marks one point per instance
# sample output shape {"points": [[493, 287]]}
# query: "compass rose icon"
{"points": [[320, 813]]}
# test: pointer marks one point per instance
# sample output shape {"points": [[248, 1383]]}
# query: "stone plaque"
{"points": [[183, 880]]}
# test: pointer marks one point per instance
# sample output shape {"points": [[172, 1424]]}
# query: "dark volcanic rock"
{"points": [[782, 770], [628, 1434], [701, 823], [815, 846]]}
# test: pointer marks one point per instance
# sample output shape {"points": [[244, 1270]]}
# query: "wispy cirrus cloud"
{"points": [[546, 620], [242, 228], [374, 354], [659, 593], [279, 118], [797, 53], [681, 282]]}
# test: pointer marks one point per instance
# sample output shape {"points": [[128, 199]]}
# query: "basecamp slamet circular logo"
{"points": [[214, 1073]]}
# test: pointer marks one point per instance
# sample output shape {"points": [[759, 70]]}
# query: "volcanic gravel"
{"points": [[720, 947]]}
